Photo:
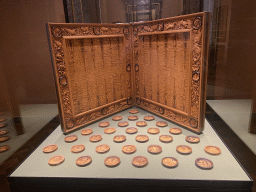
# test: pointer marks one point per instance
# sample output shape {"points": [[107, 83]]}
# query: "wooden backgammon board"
{"points": [[160, 66], [155, 68]]}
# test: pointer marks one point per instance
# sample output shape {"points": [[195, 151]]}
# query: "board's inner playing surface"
{"points": [[97, 71], [164, 61]]}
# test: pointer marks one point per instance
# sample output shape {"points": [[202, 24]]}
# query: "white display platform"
{"points": [[226, 168]]}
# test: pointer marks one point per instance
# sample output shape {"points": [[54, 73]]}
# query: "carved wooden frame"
{"points": [[195, 24]]}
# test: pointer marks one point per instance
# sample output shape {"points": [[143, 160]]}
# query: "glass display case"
{"points": [[188, 65]]}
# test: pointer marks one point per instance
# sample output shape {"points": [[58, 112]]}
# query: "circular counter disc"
{"points": [[153, 130], [204, 163], [155, 149], [102, 148], [3, 125], [104, 124], [161, 123], [141, 123], [192, 139], [119, 138], [213, 150], [128, 149], [95, 138], [175, 131], [112, 161], [2, 120], [142, 138], [4, 148], [87, 131], [109, 130], [170, 162], [4, 138], [77, 148], [131, 130], [165, 138], [56, 160], [184, 149], [71, 138], [149, 118], [3, 132], [139, 161], [133, 117], [83, 160], [117, 118], [134, 111], [123, 123], [50, 148]]}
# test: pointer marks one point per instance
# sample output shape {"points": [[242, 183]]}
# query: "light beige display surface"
{"points": [[225, 165]]}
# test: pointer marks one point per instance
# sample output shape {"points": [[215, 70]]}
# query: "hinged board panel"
{"points": [[170, 59], [93, 69]]}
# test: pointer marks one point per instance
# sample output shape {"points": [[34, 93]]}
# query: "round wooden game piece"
{"points": [[149, 118], [204, 163], [131, 130], [133, 117], [95, 138], [83, 160], [56, 160], [123, 123], [102, 148], [184, 149], [141, 123], [153, 130], [134, 111], [119, 138], [192, 139], [139, 161], [154, 149], [165, 138], [175, 131], [4, 138], [117, 118], [87, 131], [161, 123], [109, 130], [3, 125], [212, 150], [71, 138], [77, 148], [104, 124], [112, 161], [3, 132], [170, 162], [50, 148], [4, 148], [128, 149], [2, 120], [142, 138]]}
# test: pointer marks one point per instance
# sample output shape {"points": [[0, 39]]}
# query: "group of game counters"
{"points": [[138, 161], [3, 134]]}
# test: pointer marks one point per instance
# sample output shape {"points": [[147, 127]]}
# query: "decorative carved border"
{"points": [[193, 22], [57, 31]]}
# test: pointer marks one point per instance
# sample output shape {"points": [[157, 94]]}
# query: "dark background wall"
{"points": [[25, 59]]}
